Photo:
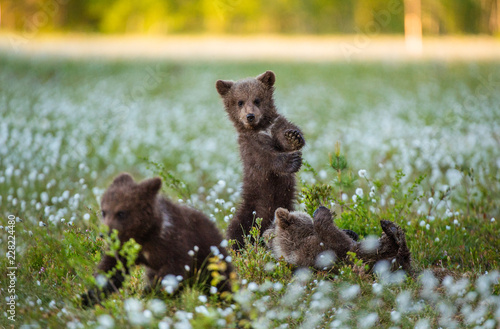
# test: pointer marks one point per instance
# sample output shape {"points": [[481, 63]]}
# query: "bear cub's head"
{"points": [[130, 208], [296, 223], [249, 102]]}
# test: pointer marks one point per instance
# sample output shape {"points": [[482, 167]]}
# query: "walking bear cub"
{"points": [[174, 239], [318, 242], [269, 149]]}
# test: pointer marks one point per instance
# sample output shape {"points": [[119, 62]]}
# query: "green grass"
{"points": [[421, 130]]}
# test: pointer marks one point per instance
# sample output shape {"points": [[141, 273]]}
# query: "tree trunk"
{"points": [[413, 26]]}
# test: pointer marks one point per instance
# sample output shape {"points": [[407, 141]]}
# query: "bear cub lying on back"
{"points": [[269, 149], [175, 239], [318, 242]]}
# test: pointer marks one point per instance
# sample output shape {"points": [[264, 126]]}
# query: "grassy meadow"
{"points": [[422, 141]]}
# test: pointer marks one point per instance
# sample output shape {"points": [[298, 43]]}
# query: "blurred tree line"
{"points": [[248, 16]]}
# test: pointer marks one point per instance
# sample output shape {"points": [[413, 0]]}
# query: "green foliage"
{"points": [[256, 264], [316, 195], [244, 16], [172, 183]]}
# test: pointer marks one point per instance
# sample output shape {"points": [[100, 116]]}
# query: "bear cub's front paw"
{"points": [[294, 162], [294, 137]]}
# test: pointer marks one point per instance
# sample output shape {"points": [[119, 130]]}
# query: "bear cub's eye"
{"points": [[240, 103], [121, 214], [256, 102]]}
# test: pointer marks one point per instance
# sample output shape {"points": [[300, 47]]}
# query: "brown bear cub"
{"points": [[269, 149], [318, 242], [174, 239]]}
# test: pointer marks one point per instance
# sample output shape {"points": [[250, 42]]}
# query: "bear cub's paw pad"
{"points": [[353, 235], [295, 138]]}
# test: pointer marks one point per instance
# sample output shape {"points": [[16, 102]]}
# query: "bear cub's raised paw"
{"points": [[294, 137]]}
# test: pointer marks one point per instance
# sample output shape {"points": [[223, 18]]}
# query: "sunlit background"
{"points": [[439, 17], [193, 21]]}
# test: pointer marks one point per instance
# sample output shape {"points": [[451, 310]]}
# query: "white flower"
{"points": [[215, 250], [354, 198], [42, 224], [395, 316], [203, 298], [377, 288], [106, 321], [86, 216], [163, 325], [436, 239], [213, 290], [101, 280], [201, 309], [223, 244], [191, 253], [368, 321], [456, 222], [170, 283], [431, 201], [252, 286], [132, 305], [362, 173], [157, 306], [350, 292], [422, 223], [344, 197], [492, 219], [187, 268], [359, 192]]}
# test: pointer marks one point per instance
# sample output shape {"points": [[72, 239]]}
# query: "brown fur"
{"points": [[165, 231], [300, 240], [269, 149]]}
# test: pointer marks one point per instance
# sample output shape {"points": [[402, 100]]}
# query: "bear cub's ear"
{"points": [[223, 86], [151, 186], [123, 179], [268, 78]]}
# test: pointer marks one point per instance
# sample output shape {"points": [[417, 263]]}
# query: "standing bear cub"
{"points": [[269, 149], [174, 239]]}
